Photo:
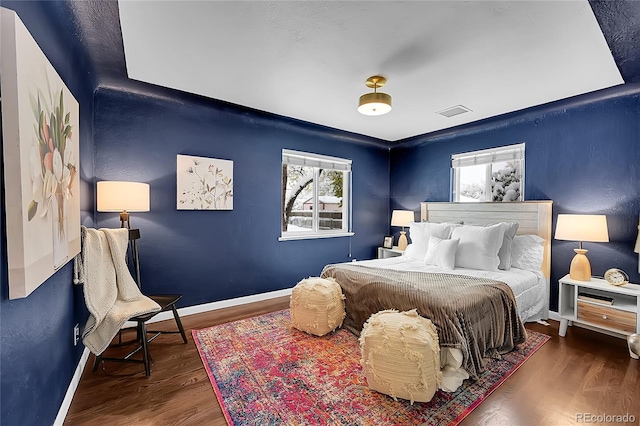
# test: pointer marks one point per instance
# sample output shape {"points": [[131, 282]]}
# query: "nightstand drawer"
{"points": [[607, 317]]}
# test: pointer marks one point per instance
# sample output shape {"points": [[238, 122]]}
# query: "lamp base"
{"points": [[124, 219], [580, 267], [402, 241]]}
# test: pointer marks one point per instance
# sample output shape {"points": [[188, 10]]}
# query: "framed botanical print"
{"points": [[40, 134], [204, 183]]}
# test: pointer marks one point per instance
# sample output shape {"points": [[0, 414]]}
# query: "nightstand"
{"points": [[610, 308], [384, 253]]}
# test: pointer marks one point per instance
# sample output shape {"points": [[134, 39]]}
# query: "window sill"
{"points": [[292, 237]]}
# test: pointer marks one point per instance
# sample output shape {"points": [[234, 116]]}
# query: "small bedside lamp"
{"points": [[123, 197], [402, 218], [581, 227]]}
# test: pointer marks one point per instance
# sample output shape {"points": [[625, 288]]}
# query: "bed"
{"points": [[479, 312]]}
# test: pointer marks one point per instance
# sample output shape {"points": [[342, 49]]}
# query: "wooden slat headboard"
{"points": [[534, 217]]}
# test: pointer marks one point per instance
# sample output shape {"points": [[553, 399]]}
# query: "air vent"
{"points": [[453, 111]]}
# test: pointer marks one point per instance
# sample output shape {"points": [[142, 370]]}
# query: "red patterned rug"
{"points": [[266, 373]]}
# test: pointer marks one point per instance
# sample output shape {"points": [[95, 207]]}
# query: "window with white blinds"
{"points": [[495, 174], [298, 158], [316, 193]]}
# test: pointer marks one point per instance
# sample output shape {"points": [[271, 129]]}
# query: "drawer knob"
{"points": [[604, 317]]}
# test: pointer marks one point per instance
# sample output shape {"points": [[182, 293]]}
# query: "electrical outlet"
{"points": [[76, 334]]}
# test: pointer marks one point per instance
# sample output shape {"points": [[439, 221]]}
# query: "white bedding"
{"points": [[529, 288]]}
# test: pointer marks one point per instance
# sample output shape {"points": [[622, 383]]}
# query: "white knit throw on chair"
{"points": [[110, 292]]}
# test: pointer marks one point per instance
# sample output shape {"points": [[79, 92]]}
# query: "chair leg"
{"points": [[96, 362], [145, 351], [178, 322]]}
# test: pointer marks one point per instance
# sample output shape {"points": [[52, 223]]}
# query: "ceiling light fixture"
{"points": [[375, 103]]}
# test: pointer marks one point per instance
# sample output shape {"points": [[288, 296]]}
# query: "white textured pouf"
{"points": [[401, 355], [317, 306]]}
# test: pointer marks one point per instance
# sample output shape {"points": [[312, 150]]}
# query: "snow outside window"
{"points": [[495, 174], [315, 196]]}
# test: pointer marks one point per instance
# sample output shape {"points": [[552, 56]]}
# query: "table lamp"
{"points": [[402, 218], [123, 197], [581, 228]]}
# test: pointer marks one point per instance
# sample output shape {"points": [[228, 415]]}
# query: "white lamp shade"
{"points": [[116, 196], [402, 217], [582, 227]]}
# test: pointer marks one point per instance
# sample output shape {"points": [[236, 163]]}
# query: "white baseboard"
{"points": [[71, 390], [189, 310], [206, 307], [554, 315]]}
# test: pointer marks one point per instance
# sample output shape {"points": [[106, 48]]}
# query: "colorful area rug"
{"points": [[266, 373]]}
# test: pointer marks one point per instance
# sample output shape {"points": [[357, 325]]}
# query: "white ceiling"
{"points": [[309, 60]]}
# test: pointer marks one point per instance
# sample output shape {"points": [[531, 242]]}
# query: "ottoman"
{"points": [[401, 355], [317, 306]]}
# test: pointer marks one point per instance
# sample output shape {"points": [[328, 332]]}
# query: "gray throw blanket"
{"points": [[476, 315], [110, 292]]}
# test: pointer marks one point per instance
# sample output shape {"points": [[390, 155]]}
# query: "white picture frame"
{"points": [[204, 183]]}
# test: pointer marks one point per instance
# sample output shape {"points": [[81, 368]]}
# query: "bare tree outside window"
{"points": [[297, 185]]}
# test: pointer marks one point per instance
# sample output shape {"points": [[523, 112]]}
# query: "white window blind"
{"points": [[315, 160], [488, 156]]}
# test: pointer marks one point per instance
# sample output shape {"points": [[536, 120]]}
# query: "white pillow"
{"points": [[527, 252], [420, 232], [441, 252], [510, 229], [479, 246], [505, 253]]}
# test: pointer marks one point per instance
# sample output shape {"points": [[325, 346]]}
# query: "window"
{"points": [[495, 174], [315, 196]]}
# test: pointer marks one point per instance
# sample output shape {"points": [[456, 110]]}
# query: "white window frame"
{"points": [[487, 157], [318, 162]]}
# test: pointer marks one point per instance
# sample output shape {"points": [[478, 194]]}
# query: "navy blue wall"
{"points": [[582, 153], [215, 255], [38, 357]]}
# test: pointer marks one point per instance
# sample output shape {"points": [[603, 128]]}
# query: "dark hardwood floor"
{"points": [[584, 372]]}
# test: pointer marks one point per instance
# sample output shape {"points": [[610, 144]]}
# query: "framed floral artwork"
{"points": [[204, 183], [40, 120]]}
